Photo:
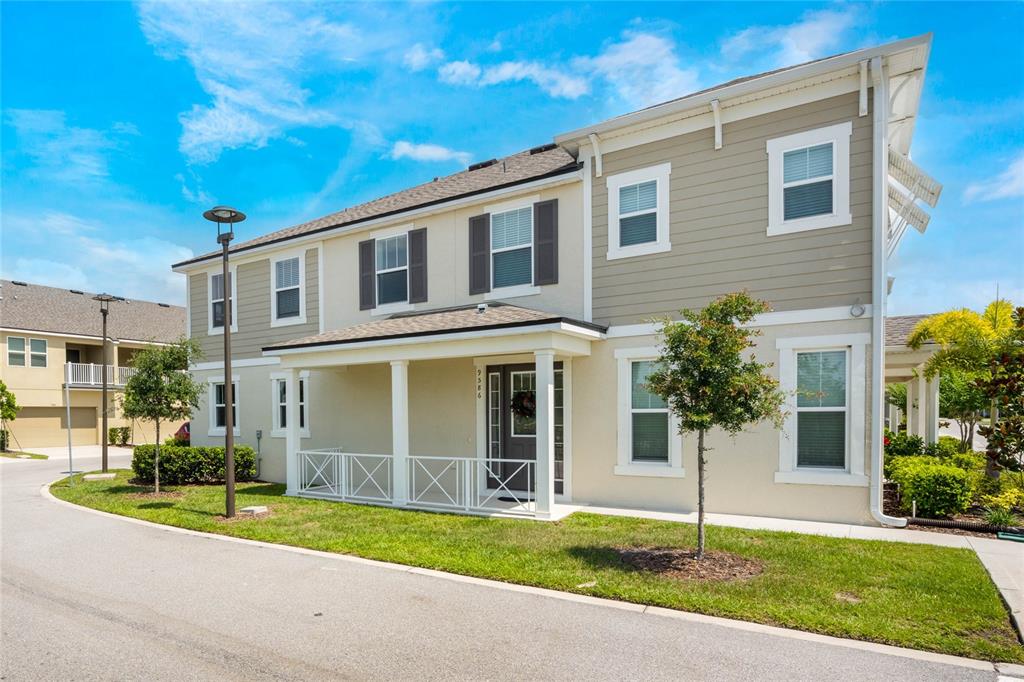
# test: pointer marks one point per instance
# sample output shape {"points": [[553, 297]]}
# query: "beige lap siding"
{"points": [[719, 219], [253, 314]]}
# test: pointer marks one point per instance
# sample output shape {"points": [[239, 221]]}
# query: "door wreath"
{"points": [[524, 404]]}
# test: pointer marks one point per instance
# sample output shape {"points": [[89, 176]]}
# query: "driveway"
{"points": [[85, 596]]}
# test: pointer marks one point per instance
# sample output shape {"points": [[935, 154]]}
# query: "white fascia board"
{"points": [[40, 332], [257, 252], [703, 100], [834, 314]]}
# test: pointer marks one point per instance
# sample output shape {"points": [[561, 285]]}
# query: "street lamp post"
{"points": [[104, 300], [225, 215]]}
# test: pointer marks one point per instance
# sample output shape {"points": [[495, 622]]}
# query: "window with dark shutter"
{"points": [[418, 265], [545, 241], [480, 254], [367, 275]]}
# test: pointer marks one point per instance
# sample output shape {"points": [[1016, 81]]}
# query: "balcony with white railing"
{"points": [[85, 375], [460, 484]]}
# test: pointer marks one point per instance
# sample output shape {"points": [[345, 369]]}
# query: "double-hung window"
{"points": [[218, 407], [821, 409], [809, 180], [638, 215], [512, 248], [37, 352], [280, 404], [288, 289], [392, 269], [217, 306], [649, 443], [16, 351]]}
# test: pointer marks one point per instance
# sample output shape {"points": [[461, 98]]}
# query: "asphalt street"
{"points": [[87, 597]]}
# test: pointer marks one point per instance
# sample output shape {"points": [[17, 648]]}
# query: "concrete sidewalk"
{"points": [[1003, 559]]}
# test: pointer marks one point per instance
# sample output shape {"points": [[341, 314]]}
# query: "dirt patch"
{"points": [[243, 517], [681, 564], [848, 597]]}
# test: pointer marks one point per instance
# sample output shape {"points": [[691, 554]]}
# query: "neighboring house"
{"points": [[480, 342], [52, 338]]}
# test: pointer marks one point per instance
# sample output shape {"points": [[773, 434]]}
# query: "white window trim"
{"points": [[219, 331], [276, 430], [29, 353], [288, 321], [839, 136], [673, 468], [513, 290], [855, 344], [215, 430], [660, 174], [380, 309], [26, 362]]}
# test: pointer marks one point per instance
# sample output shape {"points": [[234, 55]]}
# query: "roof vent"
{"points": [[481, 308], [164, 305], [543, 148], [482, 164], [19, 283], [77, 291]]}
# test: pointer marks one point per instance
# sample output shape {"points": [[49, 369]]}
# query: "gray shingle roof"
{"points": [[512, 170], [898, 328], [495, 316], [39, 308]]}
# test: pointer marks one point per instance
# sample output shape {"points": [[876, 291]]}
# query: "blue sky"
{"points": [[122, 123]]}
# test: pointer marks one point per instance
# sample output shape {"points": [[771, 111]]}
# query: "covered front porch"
{"points": [[479, 401]]}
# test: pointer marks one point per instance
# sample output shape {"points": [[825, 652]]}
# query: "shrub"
{"points": [[174, 440], [3, 440], [1006, 500], [944, 449], [901, 444], [951, 443], [119, 435], [1000, 518], [938, 489], [188, 465]]}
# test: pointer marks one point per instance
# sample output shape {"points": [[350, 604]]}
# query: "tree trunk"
{"points": [[156, 461], [700, 494], [991, 470]]}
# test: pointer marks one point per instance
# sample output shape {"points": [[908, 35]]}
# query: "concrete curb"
{"points": [[640, 609]]}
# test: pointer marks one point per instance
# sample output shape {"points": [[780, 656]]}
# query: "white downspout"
{"points": [[879, 223]]}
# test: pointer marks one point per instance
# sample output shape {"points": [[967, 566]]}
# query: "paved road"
{"points": [[88, 597]]}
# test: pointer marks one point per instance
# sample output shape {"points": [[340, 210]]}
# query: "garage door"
{"points": [[40, 427]]}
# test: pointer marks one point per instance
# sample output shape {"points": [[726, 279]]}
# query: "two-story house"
{"points": [[480, 342], [51, 345]]}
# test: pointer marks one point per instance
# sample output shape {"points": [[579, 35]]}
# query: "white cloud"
{"points": [[553, 81], [1007, 185], [419, 57], [459, 73], [193, 196], [63, 153], [428, 152], [642, 69], [817, 34]]}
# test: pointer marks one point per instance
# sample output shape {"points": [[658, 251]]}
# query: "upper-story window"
{"points": [[288, 275], [809, 180], [216, 301], [16, 352], [512, 247], [392, 269], [638, 215]]}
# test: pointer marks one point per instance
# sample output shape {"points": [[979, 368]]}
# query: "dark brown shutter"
{"points": [[418, 265], [367, 272], [545, 242], [480, 254]]}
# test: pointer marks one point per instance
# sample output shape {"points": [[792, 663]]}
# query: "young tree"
{"points": [[8, 413], [703, 376], [162, 388], [960, 398], [896, 395], [1004, 385]]}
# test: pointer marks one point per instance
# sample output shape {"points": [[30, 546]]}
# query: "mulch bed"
{"points": [[680, 564]]}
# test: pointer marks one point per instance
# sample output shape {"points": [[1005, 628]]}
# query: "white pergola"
{"points": [[905, 365]]}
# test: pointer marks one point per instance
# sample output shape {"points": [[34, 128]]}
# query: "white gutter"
{"points": [[879, 284], [317, 236]]}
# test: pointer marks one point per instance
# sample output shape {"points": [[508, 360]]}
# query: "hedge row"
{"points": [[939, 489], [183, 465]]}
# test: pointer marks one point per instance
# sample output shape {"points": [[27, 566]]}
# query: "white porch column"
{"points": [[911, 412], [545, 491], [400, 430], [921, 411], [932, 411], [292, 443]]}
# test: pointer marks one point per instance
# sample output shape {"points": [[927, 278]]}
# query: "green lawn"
{"points": [[20, 455], [918, 596]]}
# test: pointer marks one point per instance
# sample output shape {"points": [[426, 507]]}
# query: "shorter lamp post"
{"points": [[104, 300], [227, 216]]}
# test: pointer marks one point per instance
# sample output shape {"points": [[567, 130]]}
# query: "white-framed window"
{"points": [[288, 289], [16, 351], [279, 400], [392, 269], [638, 212], [824, 379], [809, 180], [37, 352], [512, 248], [215, 300], [218, 406], [648, 437]]}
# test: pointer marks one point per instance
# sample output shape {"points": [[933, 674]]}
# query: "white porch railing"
{"points": [[82, 374], [463, 484]]}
